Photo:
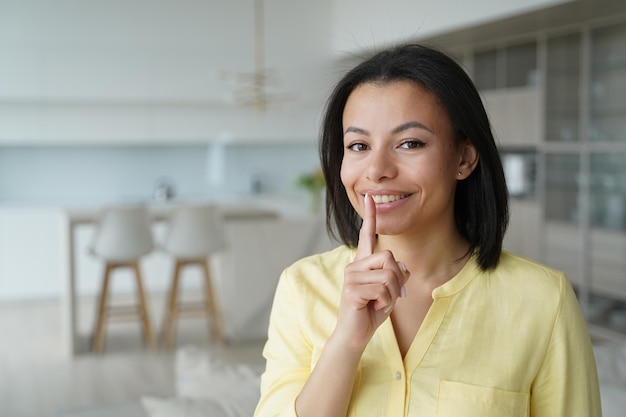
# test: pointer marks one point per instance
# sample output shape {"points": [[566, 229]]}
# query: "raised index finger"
{"points": [[367, 235]]}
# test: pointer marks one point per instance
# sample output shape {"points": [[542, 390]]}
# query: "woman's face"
{"points": [[400, 148]]}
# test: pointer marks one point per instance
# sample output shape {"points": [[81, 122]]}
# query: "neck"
{"points": [[436, 257]]}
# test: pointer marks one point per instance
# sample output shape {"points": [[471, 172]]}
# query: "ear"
{"points": [[468, 159]]}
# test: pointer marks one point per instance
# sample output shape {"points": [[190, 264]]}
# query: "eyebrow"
{"points": [[410, 125], [401, 128], [356, 130]]}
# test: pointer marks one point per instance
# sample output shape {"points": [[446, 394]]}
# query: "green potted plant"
{"points": [[314, 183]]}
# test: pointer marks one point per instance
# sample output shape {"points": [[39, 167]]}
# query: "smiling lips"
{"points": [[382, 199]]}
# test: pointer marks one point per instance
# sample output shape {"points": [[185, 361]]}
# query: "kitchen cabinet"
{"points": [[508, 80], [585, 181], [607, 261], [506, 67], [524, 227], [563, 250], [516, 116], [559, 91], [562, 88], [507, 77], [607, 86], [562, 195]]}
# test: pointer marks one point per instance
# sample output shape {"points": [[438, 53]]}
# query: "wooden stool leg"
{"points": [[98, 338], [172, 307], [143, 308], [211, 301]]}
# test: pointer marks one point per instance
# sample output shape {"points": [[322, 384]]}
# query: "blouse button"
{"points": [[398, 375]]}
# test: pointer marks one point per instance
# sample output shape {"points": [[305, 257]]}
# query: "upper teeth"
{"points": [[387, 198]]}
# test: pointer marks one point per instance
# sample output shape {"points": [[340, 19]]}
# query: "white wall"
{"points": [[70, 175], [365, 24], [150, 71]]}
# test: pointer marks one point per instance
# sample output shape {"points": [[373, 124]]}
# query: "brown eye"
{"points": [[412, 144], [357, 147]]}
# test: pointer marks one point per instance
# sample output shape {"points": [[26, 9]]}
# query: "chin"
{"points": [[390, 230]]}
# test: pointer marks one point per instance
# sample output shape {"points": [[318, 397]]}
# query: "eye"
{"points": [[357, 147], [412, 144]]}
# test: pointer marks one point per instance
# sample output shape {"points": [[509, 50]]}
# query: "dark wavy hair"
{"points": [[481, 202]]}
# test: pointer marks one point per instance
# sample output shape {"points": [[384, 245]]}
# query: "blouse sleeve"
{"points": [[287, 354], [567, 383]]}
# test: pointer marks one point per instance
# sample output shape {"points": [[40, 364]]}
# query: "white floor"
{"points": [[39, 379]]}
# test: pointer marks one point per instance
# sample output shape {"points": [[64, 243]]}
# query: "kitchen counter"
{"points": [[162, 211]]}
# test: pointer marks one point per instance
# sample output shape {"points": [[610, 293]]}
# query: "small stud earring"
{"points": [[459, 173]]}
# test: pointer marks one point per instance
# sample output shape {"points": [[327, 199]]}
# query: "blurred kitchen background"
{"points": [[185, 101]]}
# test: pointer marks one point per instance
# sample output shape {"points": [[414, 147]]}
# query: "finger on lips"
{"points": [[367, 235], [385, 282]]}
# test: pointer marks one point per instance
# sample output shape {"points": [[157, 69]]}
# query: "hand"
{"points": [[372, 284]]}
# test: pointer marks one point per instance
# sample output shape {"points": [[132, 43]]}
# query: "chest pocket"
{"points": [[456, 399]]}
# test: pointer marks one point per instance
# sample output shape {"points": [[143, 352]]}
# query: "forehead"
{"points": [[394, 102]]}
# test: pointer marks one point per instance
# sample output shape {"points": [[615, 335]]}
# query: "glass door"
{"points": [[562, 88], [608, 85]]}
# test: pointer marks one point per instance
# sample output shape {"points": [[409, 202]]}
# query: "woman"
{"points": [[420, 313]]}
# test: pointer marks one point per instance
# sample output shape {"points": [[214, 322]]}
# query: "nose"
{"points": [[381, 166]]}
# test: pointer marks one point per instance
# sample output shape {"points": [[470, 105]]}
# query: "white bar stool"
{"points": [[123, 236], [195, 234]]}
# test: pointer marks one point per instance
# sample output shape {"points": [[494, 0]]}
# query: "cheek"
{"points": [[446, 164], [431, 174], [348, 179]]}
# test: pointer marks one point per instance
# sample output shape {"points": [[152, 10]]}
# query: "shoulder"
{"points": [[534, 293], [514, 267], [525, 279], [326, 263], [339, 256], [511, 261]]}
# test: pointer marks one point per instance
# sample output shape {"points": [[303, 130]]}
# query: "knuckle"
{"points": [[348, 291], [349, 277], [389, 276]]}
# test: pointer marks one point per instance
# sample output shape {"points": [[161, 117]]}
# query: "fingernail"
{"points": [[388, 309], [403, 267], [403, 292]]}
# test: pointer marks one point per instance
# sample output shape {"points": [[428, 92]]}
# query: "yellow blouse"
{"points": [[510, 342]]}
